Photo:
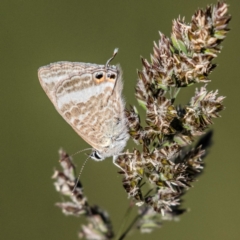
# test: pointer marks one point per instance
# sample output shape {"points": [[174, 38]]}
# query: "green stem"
{"points": [[129, 228], [176, 91], [131, 225], [170, 92], [123, 223]]}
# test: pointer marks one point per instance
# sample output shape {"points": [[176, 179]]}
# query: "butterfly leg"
{"points": [[114, 162]]}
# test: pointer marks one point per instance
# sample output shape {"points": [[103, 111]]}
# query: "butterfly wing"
{"points": [[80, 93]]}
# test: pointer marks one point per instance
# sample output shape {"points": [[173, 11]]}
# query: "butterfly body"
{"points": [[89, 97]]}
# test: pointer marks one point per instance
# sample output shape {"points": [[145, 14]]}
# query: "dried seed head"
{"points": [[166, 162]]}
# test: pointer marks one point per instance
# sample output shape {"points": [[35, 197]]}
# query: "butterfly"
{"points": [[89, 97]]}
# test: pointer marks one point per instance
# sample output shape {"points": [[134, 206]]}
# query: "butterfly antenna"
{"points": [[113, 56], [80, 174], [80, 151], [75, 154], [107, 64]]}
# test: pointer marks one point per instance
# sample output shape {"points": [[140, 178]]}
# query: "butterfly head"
{"points": [[95, 155]]}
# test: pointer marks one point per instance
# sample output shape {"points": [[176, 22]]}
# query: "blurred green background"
{"points": [[35, 33]]}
